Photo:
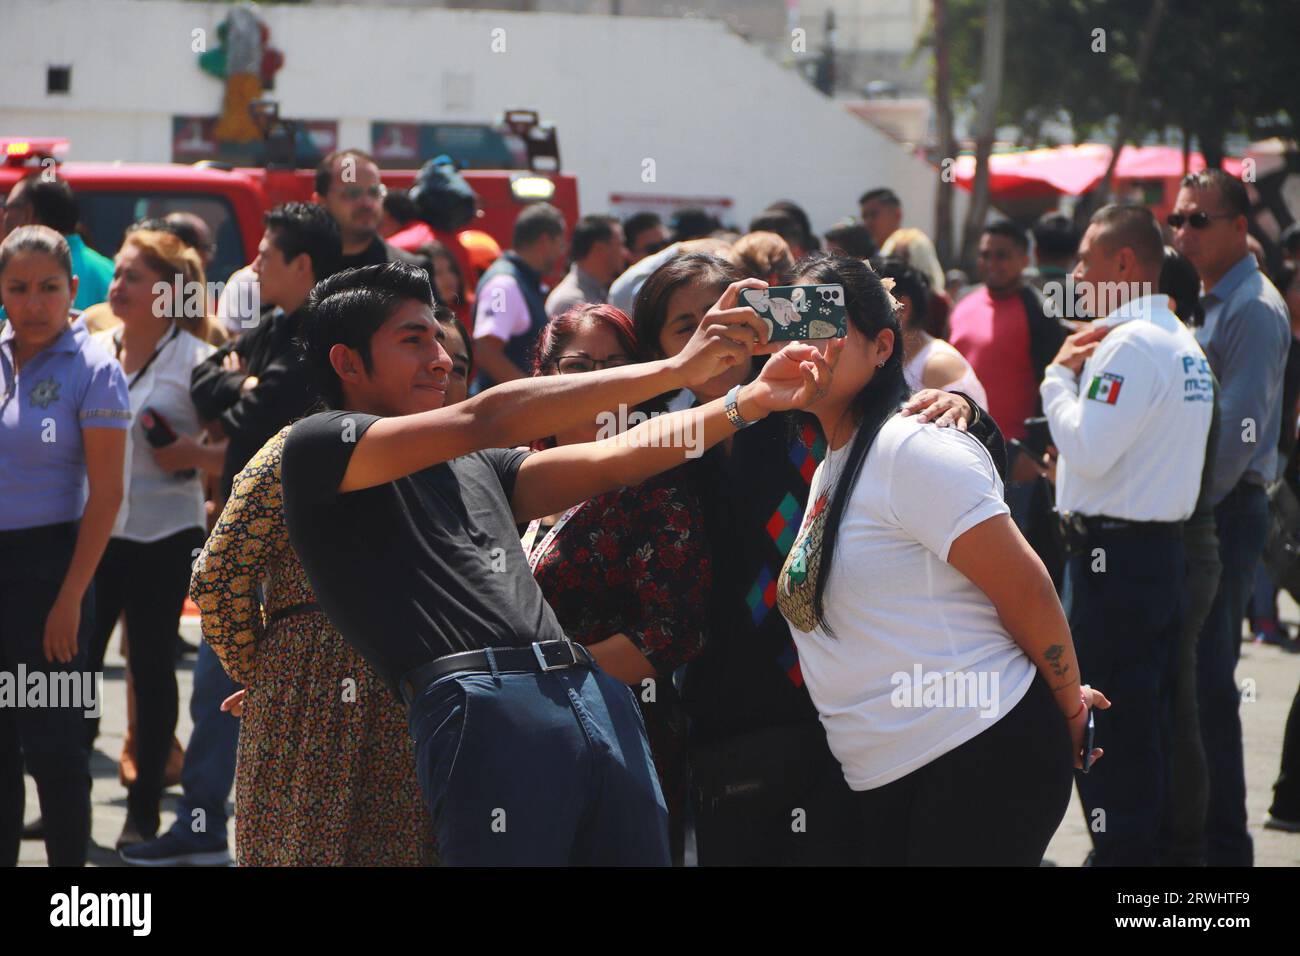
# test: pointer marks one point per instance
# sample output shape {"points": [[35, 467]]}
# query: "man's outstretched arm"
{"points": [[514, 413], [551, 480]]}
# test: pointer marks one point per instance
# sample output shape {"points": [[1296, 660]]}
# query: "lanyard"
{"points": [[117, 352], [535, 554]]}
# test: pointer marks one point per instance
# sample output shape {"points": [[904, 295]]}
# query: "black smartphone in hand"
{"points": [[159, 433], [1089, 738]]}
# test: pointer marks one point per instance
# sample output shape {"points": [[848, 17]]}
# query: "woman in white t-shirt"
{"points": [[929, 634], [928, 362], [145, 570]]}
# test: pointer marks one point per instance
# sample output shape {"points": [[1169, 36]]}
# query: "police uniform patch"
{"points": [[1105, 388], [44, 393]]}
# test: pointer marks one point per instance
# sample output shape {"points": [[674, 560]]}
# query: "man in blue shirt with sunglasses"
{"points": [[1245, 336]]}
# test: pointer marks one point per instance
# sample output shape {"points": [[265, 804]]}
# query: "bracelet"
{"points": [[733, 412], [1083, 703]]}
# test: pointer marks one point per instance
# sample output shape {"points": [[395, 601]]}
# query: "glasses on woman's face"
{"points": [[573, 363], [1197, 220]]}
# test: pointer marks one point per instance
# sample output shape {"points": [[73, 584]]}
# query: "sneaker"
{"points": [[1286, 826], [170, 850], [131, 834], [1278, 639]]}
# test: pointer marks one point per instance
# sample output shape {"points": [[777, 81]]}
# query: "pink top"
{"points": [[993, 336], [968, 383]]}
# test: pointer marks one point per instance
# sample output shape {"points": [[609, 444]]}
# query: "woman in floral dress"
{"points": [[326, 774]]}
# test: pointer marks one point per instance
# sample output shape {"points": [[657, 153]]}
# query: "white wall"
{"points": [[717, 116]]}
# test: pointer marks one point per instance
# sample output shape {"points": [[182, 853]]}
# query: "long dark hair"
{"points": [[650, 309], [871, 312], [436, 250]]}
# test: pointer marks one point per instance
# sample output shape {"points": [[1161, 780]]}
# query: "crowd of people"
{"points": [[841, 601]]}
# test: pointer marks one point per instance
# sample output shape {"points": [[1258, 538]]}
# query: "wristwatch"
{"points": [[733, 410]]}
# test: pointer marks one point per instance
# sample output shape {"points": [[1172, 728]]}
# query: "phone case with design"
{"points": [[797, 312]]}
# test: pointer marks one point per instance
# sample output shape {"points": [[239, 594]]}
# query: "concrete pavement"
{"points": [[1276, 676]]}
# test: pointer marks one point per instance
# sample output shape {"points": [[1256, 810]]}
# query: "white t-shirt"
{"points": [[968, 383], [902, 617], [240, 305], [156, 503]]}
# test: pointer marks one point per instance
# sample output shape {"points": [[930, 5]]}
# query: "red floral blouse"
{"points": [[633, 562]]}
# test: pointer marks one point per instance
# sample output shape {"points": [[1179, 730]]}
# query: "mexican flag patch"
{"points": [[1105, 388]]}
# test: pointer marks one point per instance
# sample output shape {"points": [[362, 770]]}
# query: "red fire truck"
{"points": [[233, 199]]}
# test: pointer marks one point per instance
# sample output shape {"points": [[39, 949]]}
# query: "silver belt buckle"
{"points": [[541, 656]]}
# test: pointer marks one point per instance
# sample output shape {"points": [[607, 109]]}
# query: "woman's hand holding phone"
{"points": [[725, 337], [1092, 698]]}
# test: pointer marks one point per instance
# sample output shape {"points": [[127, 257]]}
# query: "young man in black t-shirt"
{"points": [[404, 516]]}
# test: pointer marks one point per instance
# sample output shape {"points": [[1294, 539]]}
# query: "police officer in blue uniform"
{"points": [[1129, 402]]}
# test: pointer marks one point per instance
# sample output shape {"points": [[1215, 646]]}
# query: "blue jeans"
{"points": [[1242, 519], [209, 770], [1182, 837], [1263, 602], [543, 769], [1126, 618]]}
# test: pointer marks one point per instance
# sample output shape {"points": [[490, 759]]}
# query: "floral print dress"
{"points": [[326, 768]]}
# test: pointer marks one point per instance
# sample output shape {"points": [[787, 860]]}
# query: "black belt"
{"points": [[1076, 528], [307, 607], [536, 658], [1105, 523]]}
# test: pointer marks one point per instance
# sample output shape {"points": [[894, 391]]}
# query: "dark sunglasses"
{"points": [[1197, 220]]}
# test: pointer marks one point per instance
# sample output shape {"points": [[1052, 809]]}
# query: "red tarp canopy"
{"points": [[1076, 169]]}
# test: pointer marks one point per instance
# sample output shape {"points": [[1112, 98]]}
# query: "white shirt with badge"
{"points": [[1132, 428], [157, 503]]}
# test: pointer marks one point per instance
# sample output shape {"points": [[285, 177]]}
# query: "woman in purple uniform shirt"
{"points": [[63, 420]]}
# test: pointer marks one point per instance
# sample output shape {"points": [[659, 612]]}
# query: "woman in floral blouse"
{"points": [[626, 573]]}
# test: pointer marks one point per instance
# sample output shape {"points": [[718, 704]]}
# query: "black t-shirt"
{"points": [[375, 254], [418, 568]]}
